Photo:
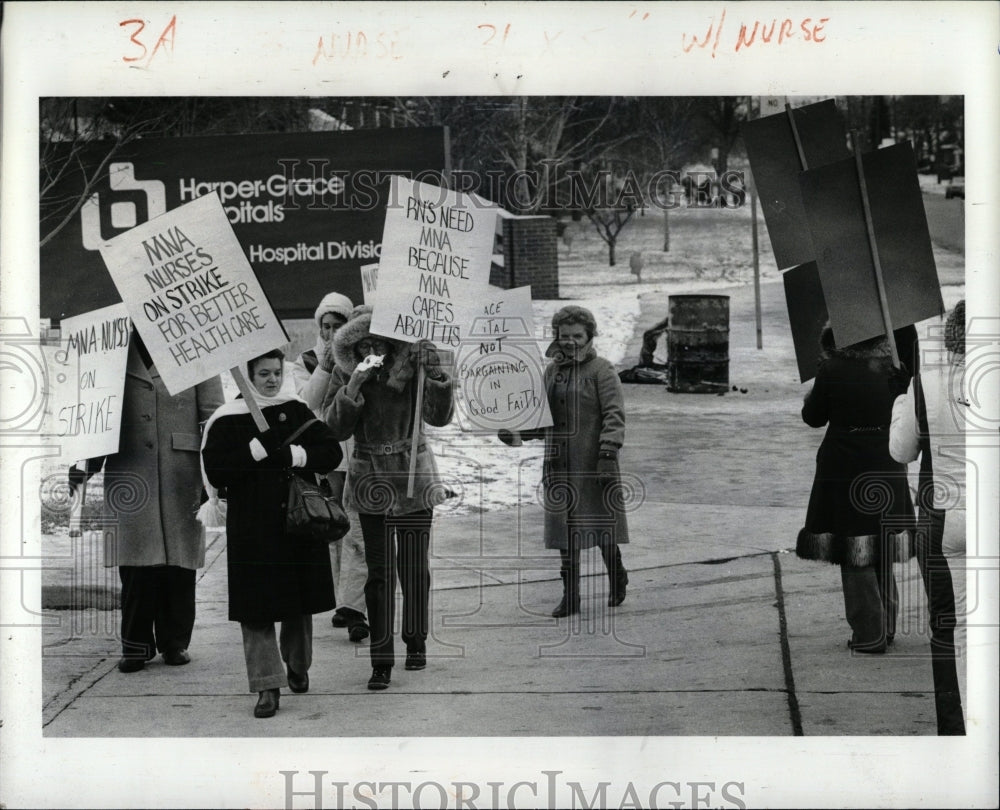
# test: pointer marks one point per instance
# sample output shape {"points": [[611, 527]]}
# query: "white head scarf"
{"points": [[212, 513]]}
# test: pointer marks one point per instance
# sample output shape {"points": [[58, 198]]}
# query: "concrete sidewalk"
{"points": [[723, 632]]}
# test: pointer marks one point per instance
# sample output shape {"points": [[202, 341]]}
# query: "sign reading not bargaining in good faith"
{"points": [[87, 382], [499, 367], [192, 294], [435, 262]]}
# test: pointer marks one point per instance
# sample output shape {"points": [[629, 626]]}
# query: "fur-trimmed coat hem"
{"points": [[857, 551]]}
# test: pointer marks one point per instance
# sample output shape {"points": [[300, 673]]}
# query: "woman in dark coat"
{"points": [[580, 473], [375, 404], [860, 511], [271, 577]]}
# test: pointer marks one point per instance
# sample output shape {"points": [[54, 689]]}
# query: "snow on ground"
{"points": [[709, 248], [929, 183]]}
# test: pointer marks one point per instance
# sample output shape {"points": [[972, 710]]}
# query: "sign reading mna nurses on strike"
{"points": [[307, 208], [191, 294]]}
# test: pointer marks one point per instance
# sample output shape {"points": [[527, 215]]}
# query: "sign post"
{"points": [[876, 264]]}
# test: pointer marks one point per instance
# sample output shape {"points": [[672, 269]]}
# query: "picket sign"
{"points": [[369, 281], [499, 368], [434, 266], [883, 300], [191, 293]]}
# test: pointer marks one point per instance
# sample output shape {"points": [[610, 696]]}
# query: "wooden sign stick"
{"points": [[795, 137], [417, 415], [883, 299], [244, 386], [76, 515], [756, 249]]}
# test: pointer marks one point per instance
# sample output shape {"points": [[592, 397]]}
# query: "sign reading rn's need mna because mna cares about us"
{"points": [[191, 293], [435, 264]]}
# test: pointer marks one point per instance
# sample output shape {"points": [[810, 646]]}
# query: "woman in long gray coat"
{"points": [[580, 474], [152, 488]]}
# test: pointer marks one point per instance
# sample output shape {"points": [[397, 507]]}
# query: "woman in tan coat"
{"points": [[375, 406], [580, 473]]}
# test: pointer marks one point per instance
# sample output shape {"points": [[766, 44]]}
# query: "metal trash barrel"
{"points": [[698, 343]]}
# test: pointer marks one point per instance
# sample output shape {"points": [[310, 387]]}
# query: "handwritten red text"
{"points": [[355, 45], [165, 41]]}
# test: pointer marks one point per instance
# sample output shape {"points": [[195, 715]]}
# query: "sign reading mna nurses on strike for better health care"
{"points": [[191, 293]]}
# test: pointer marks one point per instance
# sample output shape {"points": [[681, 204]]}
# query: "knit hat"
{"points": [[337, 304], [954, 329]]}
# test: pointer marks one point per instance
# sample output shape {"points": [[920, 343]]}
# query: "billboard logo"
{"points": [[121, 211]]}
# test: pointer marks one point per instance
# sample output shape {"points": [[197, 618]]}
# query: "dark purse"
{"points": [[314, 512]]}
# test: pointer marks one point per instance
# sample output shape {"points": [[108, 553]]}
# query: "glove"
{"points": [[607, 467], [299, 456], [76, 479], [508, 438], [427, 355], [898, 381]]}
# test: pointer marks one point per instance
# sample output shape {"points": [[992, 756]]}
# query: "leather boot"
{"points": [[617, 575], [570, 602]]}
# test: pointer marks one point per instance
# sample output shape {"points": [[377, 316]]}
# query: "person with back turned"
{"points": [[152, 489]]}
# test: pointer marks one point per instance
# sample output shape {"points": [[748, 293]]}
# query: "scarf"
{"points": [[212, 513], [320, 349], [560, 358]]}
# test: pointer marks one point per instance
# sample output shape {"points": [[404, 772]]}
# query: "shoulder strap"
{"points": [[299, 432]]}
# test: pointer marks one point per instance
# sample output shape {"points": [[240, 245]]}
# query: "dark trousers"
{"points": [[941, 604], [157, 609], [871, 602], [397, 544]]}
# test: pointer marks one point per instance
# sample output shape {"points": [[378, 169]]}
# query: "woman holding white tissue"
{"points": [[272, 577], [374, 396]]}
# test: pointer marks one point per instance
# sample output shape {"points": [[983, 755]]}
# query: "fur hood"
{"points": [[357, 328]]}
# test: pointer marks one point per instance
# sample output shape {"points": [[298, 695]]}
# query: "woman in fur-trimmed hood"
{"points": [[375, 405], [860, 511]]}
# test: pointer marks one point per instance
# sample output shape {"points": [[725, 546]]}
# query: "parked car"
{"points": [[956, 188]]}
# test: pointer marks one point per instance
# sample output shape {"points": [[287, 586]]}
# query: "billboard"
{"points": [[307, 208]]}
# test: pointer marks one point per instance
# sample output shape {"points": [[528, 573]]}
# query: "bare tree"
{"points": [[535, 139], [609, 200], [80, 137], [669, 138], [70, 128], [721, 116]]}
